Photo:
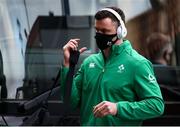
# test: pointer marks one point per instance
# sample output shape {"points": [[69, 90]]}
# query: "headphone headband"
{"points": [[124, 30], [113, 12]]}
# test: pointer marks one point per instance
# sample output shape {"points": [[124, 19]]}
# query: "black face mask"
{"points": [[104, 41]]}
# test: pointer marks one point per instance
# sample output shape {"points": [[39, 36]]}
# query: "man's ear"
{"points": [[166, 56]]}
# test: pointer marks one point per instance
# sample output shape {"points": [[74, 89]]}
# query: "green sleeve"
{"points": [[76, 86], [64, 71], [63, 74], [150, 103]]}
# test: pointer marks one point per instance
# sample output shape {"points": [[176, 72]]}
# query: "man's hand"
{"points": [[105, 108], [71, 45]]}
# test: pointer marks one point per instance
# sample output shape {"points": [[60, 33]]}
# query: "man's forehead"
{"points": [[105, 21]]}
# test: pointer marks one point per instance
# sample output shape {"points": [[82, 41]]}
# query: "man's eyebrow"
{"points": [[103, 29]]}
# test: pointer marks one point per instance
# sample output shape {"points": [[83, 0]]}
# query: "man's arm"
{"points": [[71, 45], [150, 102], [145, 109]]}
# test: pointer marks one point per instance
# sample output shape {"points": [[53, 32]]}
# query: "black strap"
{"points": [[74, 56]]}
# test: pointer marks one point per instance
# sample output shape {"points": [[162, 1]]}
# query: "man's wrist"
{"points": [[66, 64]]}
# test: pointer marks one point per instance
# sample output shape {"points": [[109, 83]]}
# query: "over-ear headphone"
{"points": [[121, 30]]}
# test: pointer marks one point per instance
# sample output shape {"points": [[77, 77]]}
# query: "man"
{"points": [[159, 48], [116, 86]]}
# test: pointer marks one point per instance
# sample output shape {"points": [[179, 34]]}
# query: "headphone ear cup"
{"points": [[119, 32]]}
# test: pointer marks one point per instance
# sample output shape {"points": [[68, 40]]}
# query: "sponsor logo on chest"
{"points": [[91, 65], [121, 68]]}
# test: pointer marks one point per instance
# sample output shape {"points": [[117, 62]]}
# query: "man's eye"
{"points": [[96, 30], [99, 31]]}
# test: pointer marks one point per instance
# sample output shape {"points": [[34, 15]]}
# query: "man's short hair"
{"points": [[105, 14], [157, 43]]}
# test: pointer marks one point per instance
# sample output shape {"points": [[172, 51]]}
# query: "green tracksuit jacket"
{"points": [[126, 78]]}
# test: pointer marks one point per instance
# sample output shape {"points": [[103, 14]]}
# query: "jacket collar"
{"points": [[117, 49]]}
